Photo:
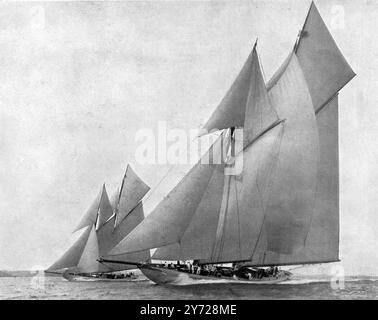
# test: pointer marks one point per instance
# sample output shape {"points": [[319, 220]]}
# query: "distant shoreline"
{"points": [[19, 273]]}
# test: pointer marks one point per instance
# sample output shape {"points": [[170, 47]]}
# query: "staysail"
{"points": [[193, 196], [133, 189], [72, 256], [88, 261]]}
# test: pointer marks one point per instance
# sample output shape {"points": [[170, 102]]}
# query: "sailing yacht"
{"points": [[105, 225], [282, 208]]}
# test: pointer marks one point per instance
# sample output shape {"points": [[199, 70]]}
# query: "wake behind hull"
{"points": [[165, 276]]}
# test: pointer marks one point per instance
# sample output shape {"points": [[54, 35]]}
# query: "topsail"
{"points": [[324, 66], [133, 189]]}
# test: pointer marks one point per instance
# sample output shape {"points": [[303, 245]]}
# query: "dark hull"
{"points": [[165, 276]]}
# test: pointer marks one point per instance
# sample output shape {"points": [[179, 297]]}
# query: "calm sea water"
{"points": [[40, 287]]}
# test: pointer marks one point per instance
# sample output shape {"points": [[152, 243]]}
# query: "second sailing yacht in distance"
{"points": [[105, 226], [283, 207]]}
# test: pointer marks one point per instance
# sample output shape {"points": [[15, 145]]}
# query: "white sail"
{"points": [[322, 241], [133, 189], [221, 226], [275, 193], [283, 207], [231, 111], [72, 256], [292, 195], [105, 210], [324, 66], [90, 217], [114, 200], [108, 238], [168, 221], [259, 111], [88, 261]]}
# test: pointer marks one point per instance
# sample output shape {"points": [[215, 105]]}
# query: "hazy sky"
{"points": [[77, 80]]}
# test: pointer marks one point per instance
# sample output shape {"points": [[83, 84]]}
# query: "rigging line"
{"points": [[207, 186], [274, 163], [222, 240], [326, 103], [116, 210], [298, 267], [300, 34], [261, 66], [226, 215], [168, 171], [145, 199], [237, 210], [97, 223], [316, 193], [263, 132], [120, 190], [221, 219]]}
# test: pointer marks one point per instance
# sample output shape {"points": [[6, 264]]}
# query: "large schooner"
{"points": [[282, 208], [106, 224]]}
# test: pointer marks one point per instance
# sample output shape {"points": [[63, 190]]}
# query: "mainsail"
{"points": [[322, 241], [282, 208]]}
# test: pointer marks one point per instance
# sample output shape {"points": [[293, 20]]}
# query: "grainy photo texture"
{"points": [[188, 150]]}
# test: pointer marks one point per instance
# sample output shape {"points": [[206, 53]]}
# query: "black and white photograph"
{"points": [[189, 150]]}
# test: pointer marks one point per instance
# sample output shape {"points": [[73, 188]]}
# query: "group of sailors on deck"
{"points": [[217, 271], [195, 268]]}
